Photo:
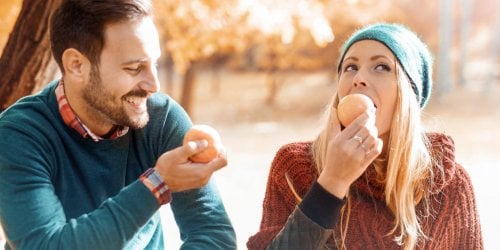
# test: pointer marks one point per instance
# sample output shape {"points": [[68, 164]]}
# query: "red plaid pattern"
{"points": [[154, 182], [70, 118]]}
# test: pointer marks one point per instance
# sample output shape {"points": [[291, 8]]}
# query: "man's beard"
{"points": [[102, 101]]}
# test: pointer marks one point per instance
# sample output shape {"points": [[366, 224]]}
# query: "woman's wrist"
{"points": [[334, 186], [321, 206]]}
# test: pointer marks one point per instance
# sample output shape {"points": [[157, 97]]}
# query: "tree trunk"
{"points": [[189, 80], [272, 86], [465, 23], [271, 79], [444, 81], [26, 63]]}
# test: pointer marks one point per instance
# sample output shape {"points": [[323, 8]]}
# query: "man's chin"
{"points": [[138, 121]]}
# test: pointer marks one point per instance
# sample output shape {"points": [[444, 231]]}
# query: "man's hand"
{"points": [[180, 174]]}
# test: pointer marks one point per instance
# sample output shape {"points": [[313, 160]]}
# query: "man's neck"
{"points": [[93, 119]]}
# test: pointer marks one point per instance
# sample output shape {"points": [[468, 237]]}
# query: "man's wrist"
{"points": [[155, 183]]}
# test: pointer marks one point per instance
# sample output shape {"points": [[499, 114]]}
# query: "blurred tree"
{"points": [[200, 30], [26, 63], [465, 22], [197, 30], [445, 42], [290, 36]]}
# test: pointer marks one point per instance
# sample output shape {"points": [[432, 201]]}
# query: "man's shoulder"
{"points": [[30, 112], [162, 107], [167, 119], [160, 99]]}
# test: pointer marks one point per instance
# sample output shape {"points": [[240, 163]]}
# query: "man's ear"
{"points": [[76, 65]]}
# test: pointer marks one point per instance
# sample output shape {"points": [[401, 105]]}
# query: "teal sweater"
{"points": [[61, 191]]}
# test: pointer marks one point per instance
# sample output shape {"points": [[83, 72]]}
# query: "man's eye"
{"points": [[135, 70]]}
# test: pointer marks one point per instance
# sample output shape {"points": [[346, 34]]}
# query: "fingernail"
{"points": [[223, 152], [201, 144]]}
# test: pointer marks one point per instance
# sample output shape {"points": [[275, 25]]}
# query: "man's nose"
{"points": [[150, 82]]}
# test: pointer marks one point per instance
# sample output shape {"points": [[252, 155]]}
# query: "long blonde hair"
{"points": [[408, 174]]}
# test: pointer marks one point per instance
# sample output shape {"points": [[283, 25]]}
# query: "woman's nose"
{"points": [[359, 80]]}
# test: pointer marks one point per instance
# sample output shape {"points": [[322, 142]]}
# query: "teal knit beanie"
{"points": [[411, 53]]}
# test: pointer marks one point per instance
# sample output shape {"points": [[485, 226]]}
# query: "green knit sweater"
{"points": [[61, 191]]}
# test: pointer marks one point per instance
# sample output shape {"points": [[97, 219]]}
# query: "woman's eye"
{"points": [[350, 67], [382, 67]]}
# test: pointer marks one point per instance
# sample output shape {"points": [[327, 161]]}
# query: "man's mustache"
{"points": [[136, 93]]}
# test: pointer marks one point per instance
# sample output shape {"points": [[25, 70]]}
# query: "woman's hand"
{"points": [[349, 152]]}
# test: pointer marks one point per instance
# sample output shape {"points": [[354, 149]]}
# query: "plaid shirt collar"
{"points": [[72, 120]]}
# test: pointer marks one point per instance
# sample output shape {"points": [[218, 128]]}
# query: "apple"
{"points": [[351, 106], [204, 132]]}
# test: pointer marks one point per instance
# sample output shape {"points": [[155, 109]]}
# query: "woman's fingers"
{"points": [[334, 127]]}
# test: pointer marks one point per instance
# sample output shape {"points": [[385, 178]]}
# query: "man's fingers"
{"points": [[182, 153], [217, 164]]}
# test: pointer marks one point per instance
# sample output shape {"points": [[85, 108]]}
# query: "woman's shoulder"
{"points": [[442, 144], [295, 149], [449, 174]]}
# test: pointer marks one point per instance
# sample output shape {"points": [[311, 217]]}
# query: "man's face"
{"points": [[119, 86]]}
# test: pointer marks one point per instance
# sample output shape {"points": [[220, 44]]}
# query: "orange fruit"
{"points": [[352, 106], [204, 132]]}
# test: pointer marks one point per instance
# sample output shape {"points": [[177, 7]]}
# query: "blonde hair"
{"points": [[408, 175]]}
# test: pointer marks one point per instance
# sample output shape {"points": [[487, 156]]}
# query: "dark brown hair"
{"points": [[80, 24]]}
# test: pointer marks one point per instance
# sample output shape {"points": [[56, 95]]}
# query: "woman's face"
{"points": [[369, 68]]}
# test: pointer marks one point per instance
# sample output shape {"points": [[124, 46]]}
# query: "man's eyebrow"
{"points": [[141, 60]]}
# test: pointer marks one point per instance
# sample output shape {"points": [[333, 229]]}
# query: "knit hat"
{"points": [[411, 53]]}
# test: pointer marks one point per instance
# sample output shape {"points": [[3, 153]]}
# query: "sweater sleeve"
{"points": [[284, 224], [33, 216], [278, 204], [311, 224], [199, 213], [202, 219]]}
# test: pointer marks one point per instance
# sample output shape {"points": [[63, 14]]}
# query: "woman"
{"points": [[381, 182]]}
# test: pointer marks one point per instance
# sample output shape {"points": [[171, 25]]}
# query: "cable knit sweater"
{"points": [[453, 224]]}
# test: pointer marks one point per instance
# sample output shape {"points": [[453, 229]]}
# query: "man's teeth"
{"points": [[134, 101]]}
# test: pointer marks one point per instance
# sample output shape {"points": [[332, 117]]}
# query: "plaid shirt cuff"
{"points": [[154, 182]]}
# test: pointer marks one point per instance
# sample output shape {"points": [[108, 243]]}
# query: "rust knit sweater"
{"points": [[453, 224]]}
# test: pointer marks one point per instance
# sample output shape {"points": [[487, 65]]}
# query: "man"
{"points": [[87, 162]]}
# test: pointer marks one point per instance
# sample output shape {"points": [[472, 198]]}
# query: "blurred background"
{"points": [[261, 72]]}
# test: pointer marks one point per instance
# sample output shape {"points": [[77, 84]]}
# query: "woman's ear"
{"points": [[75, 64]]}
